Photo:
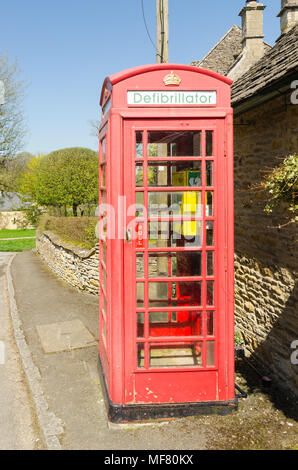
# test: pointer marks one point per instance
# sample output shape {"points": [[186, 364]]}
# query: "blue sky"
{"points": [[66, 48]]}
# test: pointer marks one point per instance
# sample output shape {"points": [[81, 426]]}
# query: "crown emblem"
{"points": [[172, 79]]}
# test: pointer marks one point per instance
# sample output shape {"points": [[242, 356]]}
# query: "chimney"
{"points": [[252, 29], [288, 15], [253, 47]]}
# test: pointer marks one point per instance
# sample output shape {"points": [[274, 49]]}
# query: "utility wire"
{"points": [[145, 23]]}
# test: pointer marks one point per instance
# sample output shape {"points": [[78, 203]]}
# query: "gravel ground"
{"points": [[265, 420]]}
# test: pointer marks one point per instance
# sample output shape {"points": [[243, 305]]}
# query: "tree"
{"points": [[68, 177], [12, 128], [94, 127], [27, 181], [12, 169]]}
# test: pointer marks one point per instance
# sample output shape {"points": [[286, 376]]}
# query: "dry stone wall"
{"points": [[76, 266]]}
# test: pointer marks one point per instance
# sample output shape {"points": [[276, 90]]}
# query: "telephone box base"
{"points": [[144, 412]]}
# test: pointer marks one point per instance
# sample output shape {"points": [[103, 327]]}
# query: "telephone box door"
{"points": [[174, 261]]}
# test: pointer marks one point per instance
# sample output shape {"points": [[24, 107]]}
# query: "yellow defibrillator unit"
{"points": [[190, 200]]}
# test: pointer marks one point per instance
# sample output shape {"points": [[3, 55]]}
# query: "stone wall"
{"points": [[13, 220], [265, 257], [76, 266]]}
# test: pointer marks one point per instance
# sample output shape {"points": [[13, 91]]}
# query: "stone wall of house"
{"points": [[265, 257], [13, 220], [76, 266]]}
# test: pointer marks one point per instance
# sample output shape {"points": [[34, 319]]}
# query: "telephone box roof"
{"points": [[128, 73]]}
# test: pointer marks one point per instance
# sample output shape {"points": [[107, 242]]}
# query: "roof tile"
{"points": [[278, 62]]}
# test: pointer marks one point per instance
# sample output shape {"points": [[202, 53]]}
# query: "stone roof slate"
{"points": [[223, 55], [276, 64], [9, 201]]}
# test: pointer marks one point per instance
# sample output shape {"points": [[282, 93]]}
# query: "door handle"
{"points": [[128, 235]]}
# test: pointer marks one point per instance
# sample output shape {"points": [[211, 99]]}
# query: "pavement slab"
{"points": [[64, 336]]}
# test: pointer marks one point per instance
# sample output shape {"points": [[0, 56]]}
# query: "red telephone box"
{"points": [[166, 243]]}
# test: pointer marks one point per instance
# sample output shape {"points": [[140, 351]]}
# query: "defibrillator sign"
{"points": [[171, 98]]}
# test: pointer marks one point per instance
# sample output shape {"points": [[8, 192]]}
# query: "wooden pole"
{"points": [[162, 31]]}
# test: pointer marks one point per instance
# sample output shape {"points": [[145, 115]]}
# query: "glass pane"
{"points": [[106, 107], [172, 294], [139, 174], [161, 265], [210, 292], [103, 200], [140, 294], [139, 204], [174, 234], [181, 324], [104, 279], [166, 203], [139, 144], [175, 264], [209, 233], [210, 353], [140, 236], [158, 317], [104, 328], [104, 253], [140, 265], [160, 294], [209, 203], [174, 143], [209, 173], [102, 230], [210, 323], [103, 175], [140, 325], [174, 174], [141, 354], [210, 263], [173, 316], [103, 150], [209, 143], [178, 355], [140, 243]]}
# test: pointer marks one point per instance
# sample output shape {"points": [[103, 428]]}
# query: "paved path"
{"points": [[70, 379], [17, 238], [18, 428], [65, 385]]}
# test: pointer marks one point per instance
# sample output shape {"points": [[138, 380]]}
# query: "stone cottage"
{"points": [[11, 217], [265, 132]]}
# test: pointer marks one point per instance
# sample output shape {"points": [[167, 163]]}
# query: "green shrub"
{"points": [[78, 231], [32, 213], [68, 178], [65, 182], [238, 339], [281, 187]]}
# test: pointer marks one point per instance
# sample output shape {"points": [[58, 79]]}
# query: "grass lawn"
{"points": [[17, 233], [17, 245]]}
